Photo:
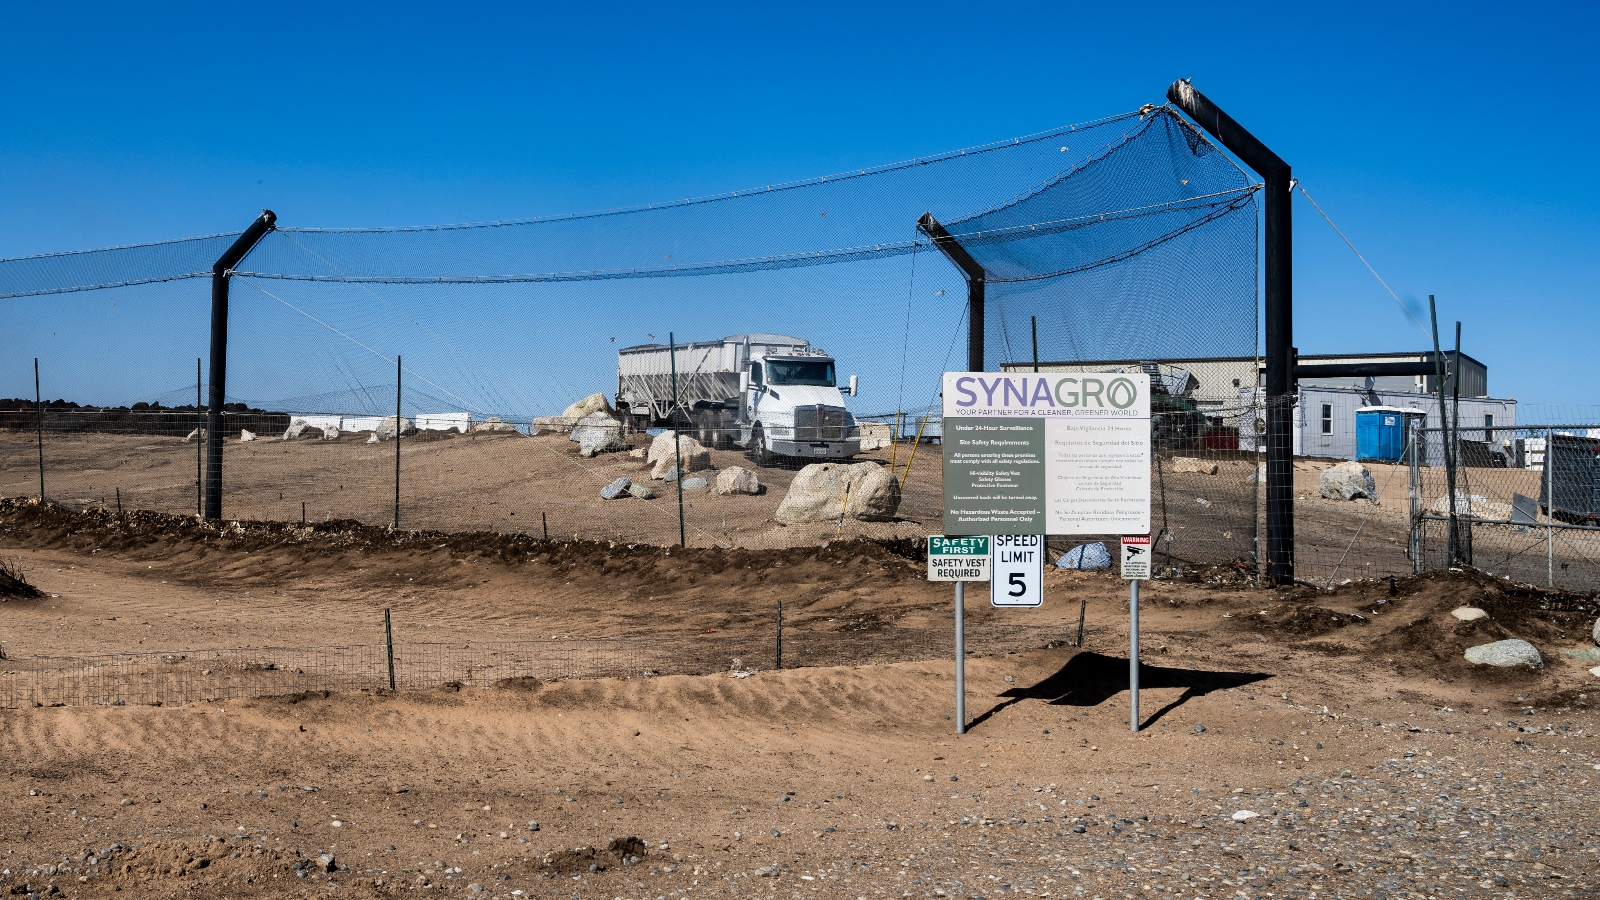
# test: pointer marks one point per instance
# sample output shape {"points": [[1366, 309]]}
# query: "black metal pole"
{"points": [[778, 660], [1033, 326], [1460, 537], [398, 374], [38, 414], [1444, 432], [974, 273], [221, 271], [388, 642], [199, 442], [677, 435], [1279, 308]]}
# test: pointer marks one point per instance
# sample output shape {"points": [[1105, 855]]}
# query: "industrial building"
{"points": [[1228, 391]]}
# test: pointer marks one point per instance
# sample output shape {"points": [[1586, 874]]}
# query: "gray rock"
{"points": [[641, 492], [1506, 654], [823, 492], [591, 404], [386, 428], [663, 458], [1586, 655], [694, 484], [1086, 557], [737, 480], [1597, 632], [493, 425], [598, 433], [615, 489], [1348, 481]]}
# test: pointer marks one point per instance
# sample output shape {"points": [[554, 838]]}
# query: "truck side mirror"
{"points": [[744, 381], [854, 385]]}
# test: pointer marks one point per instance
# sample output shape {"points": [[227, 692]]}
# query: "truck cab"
{"points": [[791, 405]]}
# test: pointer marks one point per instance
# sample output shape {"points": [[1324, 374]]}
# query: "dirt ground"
{"points": [[1295, 742]]}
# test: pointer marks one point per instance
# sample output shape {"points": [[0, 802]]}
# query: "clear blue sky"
{"points": [[1454, 143]]}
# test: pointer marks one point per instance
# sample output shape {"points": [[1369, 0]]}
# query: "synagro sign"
{"points": [[1046, 454]]}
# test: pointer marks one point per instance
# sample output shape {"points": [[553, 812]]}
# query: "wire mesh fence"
{"points": [[177, 677]]}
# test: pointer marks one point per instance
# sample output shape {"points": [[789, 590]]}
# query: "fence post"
{"points": [[38, 410], [677, 435], [1549, 508], [398, 372], [778, 661], [1413, 449], [200, 444], [388, 640]]}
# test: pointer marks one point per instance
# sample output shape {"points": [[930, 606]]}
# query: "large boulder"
{"points": [[1086, 557], [1471, 505], [875, 436], [615, 489], [1506, 654], [591, 404], [493, 425], [300, 429], [737, 480], [823, 492], [1181, 464], [598, 433], [554, 424], [662, 458], [386, 428], [247, 435], [1348, 481], [199, 434]]}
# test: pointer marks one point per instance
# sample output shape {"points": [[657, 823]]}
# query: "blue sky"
{"points": [[1453, 143]]}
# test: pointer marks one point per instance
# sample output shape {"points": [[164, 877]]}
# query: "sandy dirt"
{"points": [[1373, 757]]}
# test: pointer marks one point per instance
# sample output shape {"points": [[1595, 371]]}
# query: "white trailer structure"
{"points": [[772, 394]]}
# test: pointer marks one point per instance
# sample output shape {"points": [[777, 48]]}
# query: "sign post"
{"points": [[1030, 455], [959, 559], [1135, 568]]}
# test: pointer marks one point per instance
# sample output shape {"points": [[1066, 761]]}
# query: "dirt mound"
{"points": [[617, 851], [13, 585]]}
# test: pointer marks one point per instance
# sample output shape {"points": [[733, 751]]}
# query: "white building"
{"points": [[1325, 420]]}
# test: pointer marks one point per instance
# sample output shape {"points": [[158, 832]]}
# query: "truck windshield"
{"points": [[815, 372]]}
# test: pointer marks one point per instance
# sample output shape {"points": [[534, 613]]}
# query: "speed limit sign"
{"points": [[1016, 562]]}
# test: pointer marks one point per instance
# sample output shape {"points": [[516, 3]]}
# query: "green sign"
{"points": [[958, 558], [994, 475]]}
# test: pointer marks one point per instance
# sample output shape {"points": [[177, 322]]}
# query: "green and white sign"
{"points": [[958, 558], [1046, 454]]}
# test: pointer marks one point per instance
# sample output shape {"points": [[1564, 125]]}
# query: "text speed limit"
{"points": [[1017, 564]]}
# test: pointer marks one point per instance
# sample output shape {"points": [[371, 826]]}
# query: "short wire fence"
{"points": [[178, 677]]}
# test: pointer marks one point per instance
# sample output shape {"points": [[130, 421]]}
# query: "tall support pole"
{"points": [[221, 272], [974, 273], [1414, 451], [388, 645], [1133, 655], [399, 373], [1549, 508], [677, 437], [39, 418], [199, 441], [961, 657], [1279, 308], [1033, 326], [1462, 534], [1444, 435]]}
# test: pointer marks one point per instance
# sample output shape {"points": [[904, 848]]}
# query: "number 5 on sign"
{"points": [[1017, 561]]}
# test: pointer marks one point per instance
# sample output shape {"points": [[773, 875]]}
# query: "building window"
{"points": [[1488, 426], [1327, 418]]}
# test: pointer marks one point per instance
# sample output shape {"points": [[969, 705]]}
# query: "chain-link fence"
{"points": [[177, 677]]}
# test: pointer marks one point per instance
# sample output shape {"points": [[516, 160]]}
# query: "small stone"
{"points": [[737, 480], [1079, 829], [1596, 634], [1469, 613], [694, 484], [615, 489], [1505, 654], [1245, 815], [533, 826], [1199, 729], [1595, 671], [767, 872], [641, 492]]}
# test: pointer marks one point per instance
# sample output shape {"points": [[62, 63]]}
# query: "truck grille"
{"points": [[820, 423]]}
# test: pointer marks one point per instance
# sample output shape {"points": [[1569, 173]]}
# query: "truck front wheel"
{"points": [[759, 454]]}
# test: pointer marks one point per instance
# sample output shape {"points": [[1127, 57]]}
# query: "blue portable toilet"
{"points": [[1381, 432]]}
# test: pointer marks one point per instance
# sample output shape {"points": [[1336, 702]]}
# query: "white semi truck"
{"points": [[771, 394]]}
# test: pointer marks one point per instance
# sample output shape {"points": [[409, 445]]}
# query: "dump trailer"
{"points": [[772, 394]]}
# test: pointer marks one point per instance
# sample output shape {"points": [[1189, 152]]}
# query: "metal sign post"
{"points": [[959, 559], [1135, 568]]}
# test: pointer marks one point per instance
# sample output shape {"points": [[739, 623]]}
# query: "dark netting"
{"points": [[1128, 238]]}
